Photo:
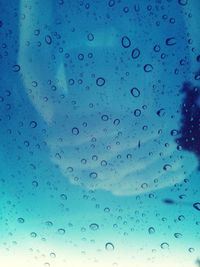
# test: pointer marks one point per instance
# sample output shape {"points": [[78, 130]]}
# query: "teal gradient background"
{"points": [[52, 216]]}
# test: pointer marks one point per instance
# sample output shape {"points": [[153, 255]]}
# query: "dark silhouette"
{"points": [[189, 138]]}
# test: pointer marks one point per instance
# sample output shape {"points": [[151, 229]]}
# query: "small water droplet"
{"points": [[126, 42], [197, 206], [135, 53], [164, 245], [170, 41], [33, 235], [48, 39], [109, 246], [61, 231], [16, 68], [94, 226], [148, 68], [20, 220], [75, 131], [33, 124], [135, 92], [151, 230], [100, 81]]}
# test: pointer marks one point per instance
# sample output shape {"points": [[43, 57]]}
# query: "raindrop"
{"points": [[183, 2], [161, 112], [174, 132], [63, 196], [170, 41], [191, 250], [20, 220], [104, 117], [48, 39], [164, 245], [137, 112], [16, 68], [148, 68], [135, 92], [126, 42], [168, 201], [35, 184], [93, 175], [94, 226], [49, 223], [116, 122], [156, 48], [181, 218], [109, 246], [33, 124], [52, 255], [111, 3], [75, 131], [151, 230], [103, 163], [178, 235], [61, 231], [90, 37], [167, 167], [135, 53], [33, 235], [100, 81], [197, 206]]}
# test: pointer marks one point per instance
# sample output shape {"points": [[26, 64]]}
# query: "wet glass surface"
{"points": [[100, 133]]}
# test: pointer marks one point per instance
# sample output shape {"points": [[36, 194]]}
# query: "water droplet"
{"points": [[156, 48], [90, 37], [148, 68], [104, 117], [168, 201], [109, 246], [33, 124], [52, 255], [111, 3], [94, 226], [151, 230], [167, 167], [16, 68], [126, 42], [103, 163], [164, 245], [48, 39], [93, 175], [161, 112], [63, 196], [107, 209], [197, 206], [144, 185], [116, 122], [170, 41], [33, 235], [178, 235], [191, 250], [35, 183], [135, 53], [49, 223], [181, 218], [135, 92], [183, 2], [174, 132], [61, 231], [137, 112], [100, 81], [20, 220], [75, 131]]}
